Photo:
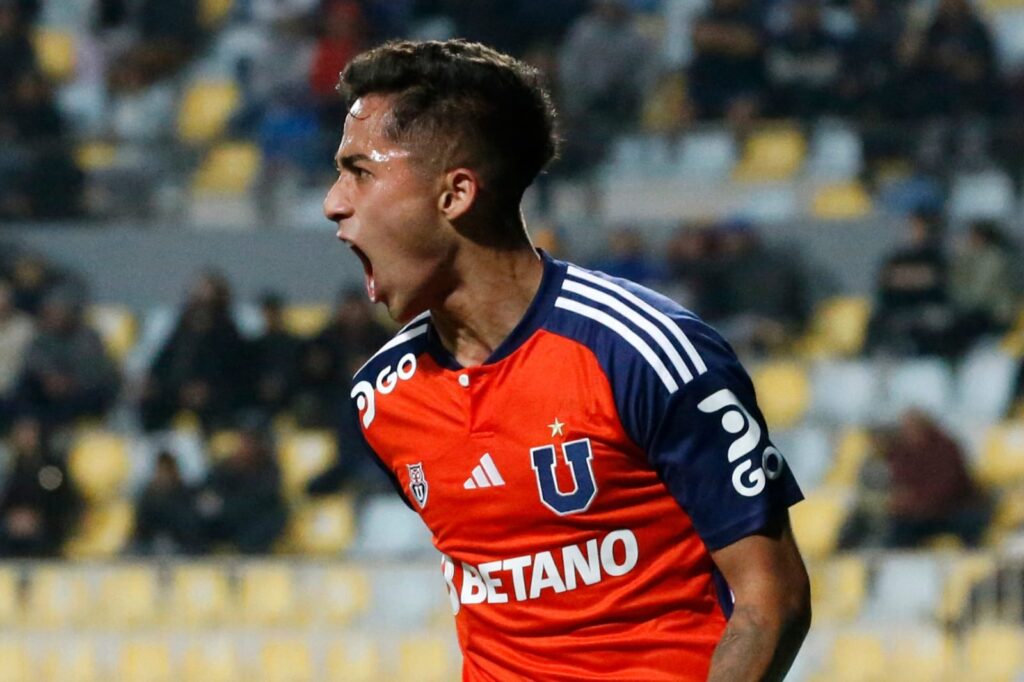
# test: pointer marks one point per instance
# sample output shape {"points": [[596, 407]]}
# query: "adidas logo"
{"points": [[485, 475]]}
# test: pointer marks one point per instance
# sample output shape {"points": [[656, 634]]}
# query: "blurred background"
{"points": [[835, 185]]}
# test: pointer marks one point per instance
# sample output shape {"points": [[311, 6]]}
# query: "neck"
{"points": [[493, 290]]}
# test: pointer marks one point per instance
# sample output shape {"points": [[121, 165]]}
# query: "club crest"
{"points": [[417, 483]]}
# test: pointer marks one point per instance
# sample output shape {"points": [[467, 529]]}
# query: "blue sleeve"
{"points": [[709, 443]]}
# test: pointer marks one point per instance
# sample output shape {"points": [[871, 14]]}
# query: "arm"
{"points": [[772, 611]]}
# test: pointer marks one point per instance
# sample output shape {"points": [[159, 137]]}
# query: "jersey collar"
{"points": [[532, 320]]}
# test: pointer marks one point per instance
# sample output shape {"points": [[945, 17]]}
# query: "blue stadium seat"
{"points": [[836, 153]]}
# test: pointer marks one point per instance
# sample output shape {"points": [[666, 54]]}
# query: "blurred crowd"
{"points": [[892, 68]]}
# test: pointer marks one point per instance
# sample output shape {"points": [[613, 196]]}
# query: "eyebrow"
{"points": [[349, 161]]}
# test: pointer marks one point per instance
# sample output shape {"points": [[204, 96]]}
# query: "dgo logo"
{"points": [[365, 394], [737, 421]]}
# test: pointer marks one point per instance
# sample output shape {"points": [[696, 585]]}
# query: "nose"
{"points": [[337, 205]]}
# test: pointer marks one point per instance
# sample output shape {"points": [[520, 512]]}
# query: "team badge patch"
{"points": [[418, 483]]}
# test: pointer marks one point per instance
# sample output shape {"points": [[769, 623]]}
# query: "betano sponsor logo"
{"points": [[532, 576]]}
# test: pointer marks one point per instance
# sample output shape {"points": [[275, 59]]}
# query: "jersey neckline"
{"points": [[532, 320]]}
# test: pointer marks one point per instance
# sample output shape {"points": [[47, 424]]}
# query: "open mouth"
{"points": [[371, 285]]}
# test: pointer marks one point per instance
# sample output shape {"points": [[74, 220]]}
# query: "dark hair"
{"points": [[470, 103]]}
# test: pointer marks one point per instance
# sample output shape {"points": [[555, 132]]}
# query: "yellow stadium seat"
{"points": [[663, 108], [55, 53], [10, 602], [130, 596], [306, 320], [205, 110], [857, 657], [343, 594], [213, 12], [838, 327], [964, 573], [838, 588], [818, 519], [223, 444], [200, 595], [842, 201], [853, 447], [1009, 513], [116, 326], [303, 455], [145, 661], [269, 595], [71, 661], [211, 661], [325, 526], [286, 660], [783, 392], [993, 653], [95, 156], [927, 656], [104, 531], [354, 660], [425, 658], [98, 464], [16, 663], [58, 597], [770, 155], [229, 168], [1002, 456]]}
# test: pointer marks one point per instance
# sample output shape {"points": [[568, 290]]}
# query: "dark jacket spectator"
{"points": [[203, 367], [240, 503], [67, 373], [166, 519], [37, 502], [275, 359], [804, 65], [983, 285], [869, 71]]}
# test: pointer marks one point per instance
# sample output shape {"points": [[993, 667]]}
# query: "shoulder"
{"points": [[409, 339]]}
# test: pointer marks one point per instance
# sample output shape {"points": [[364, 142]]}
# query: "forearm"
{"points": [[757, 647]]}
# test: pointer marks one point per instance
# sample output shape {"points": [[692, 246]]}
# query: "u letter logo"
{"points": [[578, 456]]}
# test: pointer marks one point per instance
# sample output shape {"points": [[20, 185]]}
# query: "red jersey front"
{"points": [[576, 481]]}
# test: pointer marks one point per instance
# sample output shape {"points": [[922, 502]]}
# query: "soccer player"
{"points": [[588, 455]]}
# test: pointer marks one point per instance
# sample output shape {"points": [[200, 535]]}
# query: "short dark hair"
{"points": [[471, 103]]}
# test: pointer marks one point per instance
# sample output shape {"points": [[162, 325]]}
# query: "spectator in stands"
{"points": [[37, 502], [604, 74], [983, 284], [804, 65], [169, 35], [868, 77], [333, 356], [727, 74], [68, 373], [203, 367], [275, 359], [911, 314], [867, 526], [342, 37], [31, 278], [240, 502], [16, 332], [17, 57], [627, 256], [166, 518], [140, 110], [689, 266], [931, 491]]}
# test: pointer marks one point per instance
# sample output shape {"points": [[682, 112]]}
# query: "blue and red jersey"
{"points": [[576, 482]]}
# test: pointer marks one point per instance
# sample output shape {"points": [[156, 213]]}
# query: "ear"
{"points": [[461, 187]]}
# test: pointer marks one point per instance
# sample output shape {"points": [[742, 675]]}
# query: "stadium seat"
{"points": [[145, 661], [116, 326], [105, 530], [223, 444], [55, 53], [962, 574], [58, 597], [1008, 517], [838, 327], [229, 168], [355, 659], [841, 201], [388, 528], [213, 12], [306, 320], [425, 658], [200, 595], [268, 594], [344, 594], [856, 657], [920, 654], [707, 154], [211, 660], [988, 195], [771, 204], [853, 446], [286, 660], [130, 596], [783, 392], [818, 519], [205, 110], [663, 107], [771, 155], [10, 599], [838, 588], [845, 392], [324, 526], [906, 588], [836, 154], [984, 383], [808, 451], [16, 663], [303, 455], [993, 653], [1002, 456], [73, 660], [925, 384], [98, 464], [95, 156]]}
